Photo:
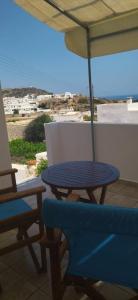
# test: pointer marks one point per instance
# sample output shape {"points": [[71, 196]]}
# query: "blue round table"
{"points": [[80, 175]]}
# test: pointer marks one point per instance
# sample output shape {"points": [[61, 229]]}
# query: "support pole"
{"points": [[81, 24], [91, 96]]}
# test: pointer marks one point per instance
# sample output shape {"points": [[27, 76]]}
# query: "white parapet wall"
{"points": [[116, 144], [118, 113], [5, 160]]}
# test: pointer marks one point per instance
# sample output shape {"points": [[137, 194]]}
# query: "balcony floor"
{"points": [[17, 274]]}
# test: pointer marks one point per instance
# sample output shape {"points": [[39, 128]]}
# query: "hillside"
{"points": [[21, 92]]}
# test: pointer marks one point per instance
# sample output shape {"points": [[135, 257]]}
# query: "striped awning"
{"points": [[113, 24]]}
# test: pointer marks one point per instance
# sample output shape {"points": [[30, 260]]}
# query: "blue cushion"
{"points": [[13, 208], [112, 258], [103, 240]]}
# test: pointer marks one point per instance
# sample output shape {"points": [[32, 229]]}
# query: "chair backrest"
{"points": [[103, 240], [10, 179], [76, 216]]}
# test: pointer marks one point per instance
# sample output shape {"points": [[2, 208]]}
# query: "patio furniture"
{"points": [[80, 175], [103, 245], [15, 213]]}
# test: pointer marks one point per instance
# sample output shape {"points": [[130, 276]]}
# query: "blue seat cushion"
{"points": [[107, 257], [13, 208]]}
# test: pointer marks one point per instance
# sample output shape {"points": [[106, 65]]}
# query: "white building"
{"points": [[22, 105], [69, 95], [29, 103], [118, 113], [44, 97], [64, 96]]}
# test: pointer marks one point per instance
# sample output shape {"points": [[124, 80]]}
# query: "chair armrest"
{"points": [[21, 194], [7, 172]]}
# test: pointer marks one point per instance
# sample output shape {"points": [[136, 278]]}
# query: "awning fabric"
{"points": [[113, 24]]}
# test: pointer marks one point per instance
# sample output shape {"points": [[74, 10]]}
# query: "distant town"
{"points": [[26, 103], [22, 104], [32, 103]]}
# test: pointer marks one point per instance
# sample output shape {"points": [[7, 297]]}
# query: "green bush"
{"points": [[86, 118], [34, 132], [41, 166], [23, 150]]}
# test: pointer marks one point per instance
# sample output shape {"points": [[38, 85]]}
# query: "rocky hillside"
{"points": [[21, 92]]}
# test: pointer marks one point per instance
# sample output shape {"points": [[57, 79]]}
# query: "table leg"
{"points": [[57, 194], [91, 196], [103, 193], [69, 192]]}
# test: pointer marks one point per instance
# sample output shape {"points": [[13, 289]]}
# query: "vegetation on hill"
{"points": [[22, 92]]}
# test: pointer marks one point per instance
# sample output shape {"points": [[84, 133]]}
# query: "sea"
{"points": [[124, 97]]}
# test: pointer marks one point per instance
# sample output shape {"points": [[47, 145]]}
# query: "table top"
{"points": [[80, 175]]}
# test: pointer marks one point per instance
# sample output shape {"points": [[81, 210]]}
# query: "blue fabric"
{"points": [[13, 208], [98, 218], [103, 240]]}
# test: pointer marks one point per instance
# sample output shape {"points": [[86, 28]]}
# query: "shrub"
{"points": [[83, 100], [35, 129], [23, 150], [86, 118], [41, 166]]}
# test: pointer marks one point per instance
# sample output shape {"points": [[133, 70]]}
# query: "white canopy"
{"points": [[113, 24]]}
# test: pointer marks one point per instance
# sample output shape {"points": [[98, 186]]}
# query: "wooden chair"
{"points": [[16, 213], [102, 242]]}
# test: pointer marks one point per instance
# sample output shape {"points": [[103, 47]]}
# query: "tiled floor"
{"points": [[17, 274]]}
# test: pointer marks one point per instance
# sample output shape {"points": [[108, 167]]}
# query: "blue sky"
{"points": [[32, 54]]}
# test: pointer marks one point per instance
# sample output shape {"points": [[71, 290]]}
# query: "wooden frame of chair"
{"points": [[59, 284], [23, 221]]}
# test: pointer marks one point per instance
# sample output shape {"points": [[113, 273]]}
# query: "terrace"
{"points": [[115, 144], [18, 276]]}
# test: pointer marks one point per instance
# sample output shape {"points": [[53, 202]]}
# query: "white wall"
{"points": [[116, 144], [118, 113], [5, 160]]}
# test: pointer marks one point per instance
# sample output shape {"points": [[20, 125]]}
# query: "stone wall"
{"points": [[15, 131]]}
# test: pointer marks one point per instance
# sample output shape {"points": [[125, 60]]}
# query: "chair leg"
{"points": [[22, 231], [55, 272], [19, 235], [33, 255], [57, 284], [43, 258]]}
